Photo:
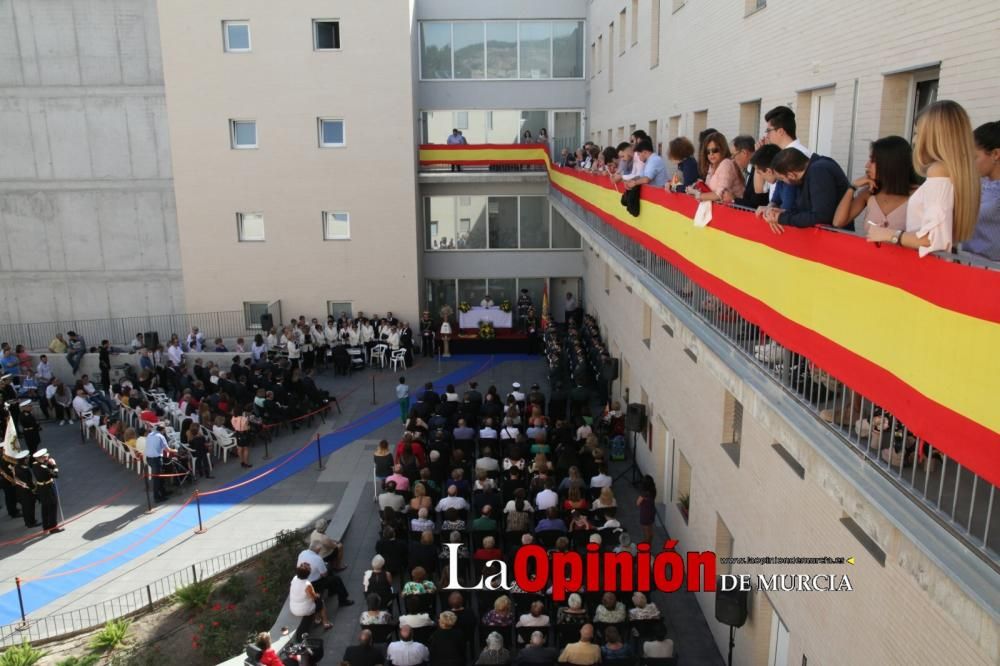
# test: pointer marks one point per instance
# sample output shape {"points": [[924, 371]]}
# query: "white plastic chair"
{"points": [[378, 354], [398, 358], [224, 443]]}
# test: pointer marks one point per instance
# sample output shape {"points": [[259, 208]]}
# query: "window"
{"points": [[674, 127], [502, 49], [647, 325], [338, 308], [534, 223], [502, 229], [654, 34], [652, 132], [611, 57], [925, 92], [250, 227], [753, 6], [593, 59], [904, 95], [252, 313], [699, 125], [469, 50], [326, 35], [600, 53], [732, 427], [682, 486], [723, 545], [236, 36], [336, 226], [621, 32], [635, 22], [564, 236], [243, 133], [331, 132], [535, 50], [461, 120], [435, 50], [750, 118]]}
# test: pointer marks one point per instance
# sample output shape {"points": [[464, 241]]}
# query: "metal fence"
{"points": [[962, 501], [139, 600], [122, 330]]}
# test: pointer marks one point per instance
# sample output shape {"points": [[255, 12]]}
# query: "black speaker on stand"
{"points": [[151, 340], [731, 609], [266, 322], [635, 421]]}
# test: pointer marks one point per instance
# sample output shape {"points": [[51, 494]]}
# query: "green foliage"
{"points": [[194, 596], [112, 636], [140, 655], [88, 660], [235, 589], [21, 655]]}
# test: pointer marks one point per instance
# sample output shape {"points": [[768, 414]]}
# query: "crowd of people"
{"points": [[488, 473], [941, 191]]}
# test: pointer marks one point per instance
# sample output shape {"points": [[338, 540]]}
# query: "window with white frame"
{"points": [[250, 227], [331, 132], [336, 225], [243, 133], [236, 36], [252, 313], [326, 35]]}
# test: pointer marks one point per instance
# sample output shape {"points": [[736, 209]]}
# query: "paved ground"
{"points": [[118, 547]]}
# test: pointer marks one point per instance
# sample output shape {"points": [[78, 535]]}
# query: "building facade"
{"points": [[87, 215]]}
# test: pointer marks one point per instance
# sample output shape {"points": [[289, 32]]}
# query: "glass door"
{"points": [[566, 131]]}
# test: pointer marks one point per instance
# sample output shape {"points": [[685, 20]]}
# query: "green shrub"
{"points": [[235, 589], [194, 596], [112, 636], [21, 655]]}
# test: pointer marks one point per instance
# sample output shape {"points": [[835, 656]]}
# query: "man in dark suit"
{"points": [[364, 653]]}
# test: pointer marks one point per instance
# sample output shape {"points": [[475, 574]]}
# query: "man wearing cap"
{"points": [[30, 429], [8, 482], [156, 446], [25, 487], [517, 394], [45, 471]]}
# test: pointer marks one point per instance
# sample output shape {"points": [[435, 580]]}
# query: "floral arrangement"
{"points": [[464, 306], [505, 306], [486, 330]]}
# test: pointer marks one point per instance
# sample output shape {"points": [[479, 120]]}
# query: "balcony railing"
{"points": [[483, 158], [897, 352]]}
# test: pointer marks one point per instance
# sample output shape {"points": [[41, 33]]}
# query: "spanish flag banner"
{"points": [[919, 337]]}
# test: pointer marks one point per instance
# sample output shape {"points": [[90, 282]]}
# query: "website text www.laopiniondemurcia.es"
{"points": [[536, 570]]}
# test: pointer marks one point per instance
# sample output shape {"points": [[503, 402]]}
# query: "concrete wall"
{"points": [[712, 57], [285, 86], [913, 609], [87, 215]]}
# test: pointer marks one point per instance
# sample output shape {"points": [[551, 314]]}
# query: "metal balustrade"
{"points": [[962, 501]]}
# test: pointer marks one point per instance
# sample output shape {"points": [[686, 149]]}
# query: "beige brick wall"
{"points": [[909, 612], [713, 57]]}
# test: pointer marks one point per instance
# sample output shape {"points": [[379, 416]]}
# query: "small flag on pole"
{"points": [[10, 442]]}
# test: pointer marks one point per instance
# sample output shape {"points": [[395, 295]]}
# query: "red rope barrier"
{"points": [[103, 503]]}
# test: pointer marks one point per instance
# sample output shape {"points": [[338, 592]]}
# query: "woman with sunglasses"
{"points": [[716, 166]]}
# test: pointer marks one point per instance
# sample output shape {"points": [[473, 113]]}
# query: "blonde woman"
{"points": [[420, 499], [943, 210], [606, 500]]}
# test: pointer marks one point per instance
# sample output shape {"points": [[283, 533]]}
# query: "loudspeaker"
{"points": [[150, 339], [609, 371], [266, 322], [635, 417], [730, 607]]}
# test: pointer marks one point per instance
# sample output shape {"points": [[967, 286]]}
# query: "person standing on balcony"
{"points": [[944, 208], [821, 184], [985, 239], [780, 131], [882, 193], [456, 139], [655, 170]]}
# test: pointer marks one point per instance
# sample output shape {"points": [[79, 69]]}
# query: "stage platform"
{"points": [[507, 341]]}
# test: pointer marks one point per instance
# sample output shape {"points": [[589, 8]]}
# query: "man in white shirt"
{"points": [[451, 501], [487, 462], [547, 498], [43, 372], [174, 353], [80, 403], [137, 343], [390, 498], [320, 577], [602, 480], [517, 393], [406, 651], [195, 340], [156, 447]]}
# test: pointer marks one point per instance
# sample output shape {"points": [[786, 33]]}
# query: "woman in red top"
{"points": [[489, 551], [575, 501], [268, 657], [414, 446]]}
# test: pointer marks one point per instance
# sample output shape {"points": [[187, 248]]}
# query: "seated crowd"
{"points": [[491, 473], [943, 191]]}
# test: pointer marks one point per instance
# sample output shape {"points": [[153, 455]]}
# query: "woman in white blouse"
{"points": [[943, 210]]}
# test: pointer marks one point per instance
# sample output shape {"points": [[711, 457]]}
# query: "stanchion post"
{"points": [[149, 502], [439, 361], [267, 451], [20, 602], [319, 453], [197, 503], [373, 389]]}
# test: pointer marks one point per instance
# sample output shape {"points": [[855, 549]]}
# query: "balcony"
{"points": [[482, 164]]}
